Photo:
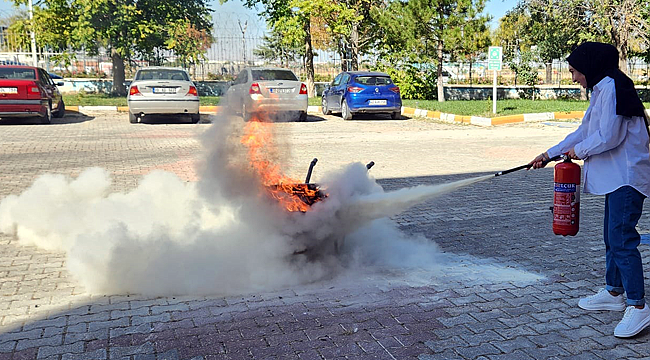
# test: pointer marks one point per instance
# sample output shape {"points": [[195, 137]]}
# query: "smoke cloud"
{"points": [[222, 234]]}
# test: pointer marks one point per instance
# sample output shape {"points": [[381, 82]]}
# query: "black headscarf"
{"points": [[597, 60]]}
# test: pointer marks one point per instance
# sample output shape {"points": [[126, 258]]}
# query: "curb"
{"points": [[482, 121], [435, 115]]}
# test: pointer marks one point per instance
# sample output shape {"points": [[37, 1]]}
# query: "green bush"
{"points": [[413, 83]]}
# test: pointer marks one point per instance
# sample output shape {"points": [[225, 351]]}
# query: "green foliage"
{"points": [[414, 82], [525, 69], [276, 49], [128, 28], [188, 42], [425, 32]]}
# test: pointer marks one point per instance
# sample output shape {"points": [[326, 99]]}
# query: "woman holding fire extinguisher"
{"points": [[613, 142]]}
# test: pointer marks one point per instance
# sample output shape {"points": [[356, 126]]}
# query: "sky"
{"points": [[496, 8]]}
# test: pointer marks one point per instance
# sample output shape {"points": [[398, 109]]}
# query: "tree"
{"points": [[524, 68], [510, 34], [292, 19], [473, 38], [124, 27], [274, 48], [188, 42], [551, 31], [620, 22], [426, 30]]}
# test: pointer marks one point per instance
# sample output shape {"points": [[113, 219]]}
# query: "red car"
{"points": [[27, 91]]}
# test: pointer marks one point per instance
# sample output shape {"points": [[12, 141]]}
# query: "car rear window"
{"points": [[373, 80], [162, 75], [19, 74], [274, 75]]}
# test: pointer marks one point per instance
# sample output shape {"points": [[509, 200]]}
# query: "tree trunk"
{"points": [[441, 89], [549, 72], [309, 59], [354, 47], [118, 74]]}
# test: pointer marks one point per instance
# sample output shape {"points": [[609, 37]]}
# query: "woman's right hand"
{"points": [[539, 161]]}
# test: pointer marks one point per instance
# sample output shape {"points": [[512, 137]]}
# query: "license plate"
{"points": [[280, 91], [8, 90], [377, 102], [164, 90]]}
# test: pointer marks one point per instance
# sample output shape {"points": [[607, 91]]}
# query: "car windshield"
{"points": [[274, 75], [161, 75], [373, 80], [20, 74]]}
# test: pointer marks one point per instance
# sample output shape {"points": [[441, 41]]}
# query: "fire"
{"points": [[291, 194]]}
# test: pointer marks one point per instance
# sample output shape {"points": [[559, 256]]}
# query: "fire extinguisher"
{"points": [[566, 198]]}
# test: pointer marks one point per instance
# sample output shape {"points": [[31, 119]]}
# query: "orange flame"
{"points": [[258, 138]]}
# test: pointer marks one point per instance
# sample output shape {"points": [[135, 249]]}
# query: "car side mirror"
{"points": [[60, 83]]}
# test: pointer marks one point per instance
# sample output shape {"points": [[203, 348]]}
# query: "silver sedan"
{"points": [[268, 91], [162, 91]]}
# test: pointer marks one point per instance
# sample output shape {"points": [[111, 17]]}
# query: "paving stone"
{"points": [[465, 310]]}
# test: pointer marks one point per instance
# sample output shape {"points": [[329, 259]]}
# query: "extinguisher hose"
{"points": [[527, 166]]}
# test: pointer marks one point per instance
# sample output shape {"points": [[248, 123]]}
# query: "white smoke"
{"points": [[221, 235]]}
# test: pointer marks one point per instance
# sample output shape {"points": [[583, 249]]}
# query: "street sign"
{"points": [[495, 58]]}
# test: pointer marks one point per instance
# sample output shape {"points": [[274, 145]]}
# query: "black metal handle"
{"points": [[527, 166], [311, 167]]}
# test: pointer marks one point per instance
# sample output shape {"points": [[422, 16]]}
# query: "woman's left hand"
{"points": [[572, 154]]}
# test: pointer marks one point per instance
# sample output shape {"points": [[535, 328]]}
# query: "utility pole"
{"points": [[33, 34], [243, 35]]}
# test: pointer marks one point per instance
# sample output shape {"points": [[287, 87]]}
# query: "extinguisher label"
{"points": [[566, 202], [566, 188]]}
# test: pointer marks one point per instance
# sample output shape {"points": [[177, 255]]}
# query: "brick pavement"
{"points": [[481, 302]]}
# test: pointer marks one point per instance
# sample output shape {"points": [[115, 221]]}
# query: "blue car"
{"points": [[354, 92]]}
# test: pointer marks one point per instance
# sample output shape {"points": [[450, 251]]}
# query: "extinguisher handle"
{"points": [[554, 158], [527, 166]]}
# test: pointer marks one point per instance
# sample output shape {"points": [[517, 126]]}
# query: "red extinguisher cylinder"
{"points": [[566, 198]]}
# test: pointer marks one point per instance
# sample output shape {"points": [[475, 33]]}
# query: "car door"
{"points": [[47, 87], [338, 89], [235, 90], [329, 93], [53, 92], [342, 88]]}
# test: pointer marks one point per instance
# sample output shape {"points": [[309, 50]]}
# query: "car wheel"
{"points": [[396, 115], [345, 111], [48, 114], [132, 118], [302, 117], [196, 118], [324, 108], [60, 112]]}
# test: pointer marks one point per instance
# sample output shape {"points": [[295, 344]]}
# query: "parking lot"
{"points": [[495, 282]]}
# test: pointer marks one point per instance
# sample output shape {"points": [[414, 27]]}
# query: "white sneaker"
{"points": [[634, 320], [602, 300]]}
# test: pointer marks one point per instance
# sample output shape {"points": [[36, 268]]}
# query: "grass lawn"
{"points": [[504, 107], [108, 100]]}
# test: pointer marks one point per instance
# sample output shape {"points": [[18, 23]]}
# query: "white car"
{"points": [[268, 91], [162, 91]]}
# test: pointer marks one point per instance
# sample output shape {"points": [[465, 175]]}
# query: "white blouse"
{"points": [[613, 147]]}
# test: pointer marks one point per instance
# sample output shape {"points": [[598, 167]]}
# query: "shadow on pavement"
{"points": [[70, 117]]}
